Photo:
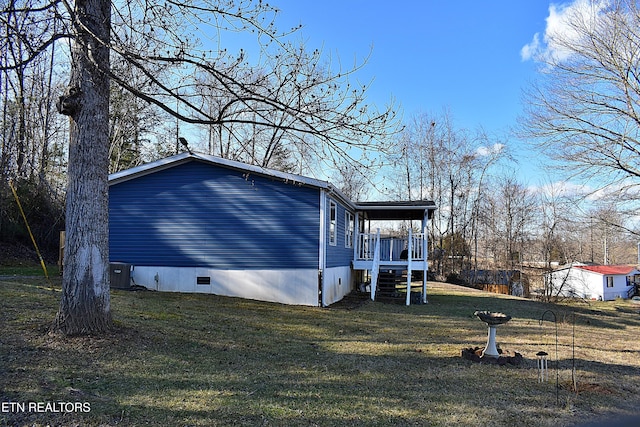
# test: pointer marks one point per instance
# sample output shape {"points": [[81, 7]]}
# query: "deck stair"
{"points": [[392, 287], [388, 261]]}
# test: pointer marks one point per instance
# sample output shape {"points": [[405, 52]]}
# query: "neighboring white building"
{"points": [[598, 282]]}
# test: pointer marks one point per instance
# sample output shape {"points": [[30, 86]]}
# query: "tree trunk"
{"points": [[85, 303]]}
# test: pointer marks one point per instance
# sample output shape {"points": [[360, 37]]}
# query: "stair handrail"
{"points": [[375, 267]]}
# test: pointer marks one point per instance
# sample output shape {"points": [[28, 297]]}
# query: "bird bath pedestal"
{"points": [[492, 320]]}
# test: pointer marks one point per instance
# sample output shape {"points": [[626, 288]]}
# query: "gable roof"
{"points": [[374, 210], [608, 270], [182, 158]]}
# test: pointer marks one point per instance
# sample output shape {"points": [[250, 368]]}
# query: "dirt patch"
{"points": [[352, 301], [588, 388]]}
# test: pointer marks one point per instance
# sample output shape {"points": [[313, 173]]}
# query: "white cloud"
{"points": [[620, 191], [558, 28], [486, 151], [562, 189], [530, 50]]}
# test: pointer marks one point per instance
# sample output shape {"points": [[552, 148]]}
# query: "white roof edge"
{"points": [[181, 158], [147, 168], [339, 194]]}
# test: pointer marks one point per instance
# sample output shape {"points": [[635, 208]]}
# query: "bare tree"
{"points": [[351, 180], [271, 136], [609, 242], [490, 155], [30, 134], [507, 216], [149, 37], [584, 110], [134, 126], [555, 215], [436, 160], [28, 120], [557, 235]]}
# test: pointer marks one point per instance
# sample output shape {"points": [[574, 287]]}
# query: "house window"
{"points": [[348, 230], [609, 281], [333, 215], [633, 280]]}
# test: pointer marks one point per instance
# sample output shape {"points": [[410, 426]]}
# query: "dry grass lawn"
{"points": [[203, 360]]}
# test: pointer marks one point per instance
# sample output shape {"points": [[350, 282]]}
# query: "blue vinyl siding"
{"points": [[202, 215], [338, 255]]}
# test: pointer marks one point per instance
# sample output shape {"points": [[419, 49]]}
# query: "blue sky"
{"points": [[429, 55]]}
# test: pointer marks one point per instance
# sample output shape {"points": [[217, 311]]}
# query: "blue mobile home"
{"points": [[197, 223]]}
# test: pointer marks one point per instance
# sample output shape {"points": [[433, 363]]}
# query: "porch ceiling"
{"points": [[405, 210]]}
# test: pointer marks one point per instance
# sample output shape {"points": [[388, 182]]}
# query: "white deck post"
{"points": [[375, 268], [356, 236], [409, 257], [425, 256]]}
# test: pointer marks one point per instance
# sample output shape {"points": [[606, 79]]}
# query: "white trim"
{"points": [[147, 168], [322, 251], [349, 228], [356, 234], [333, 220]]}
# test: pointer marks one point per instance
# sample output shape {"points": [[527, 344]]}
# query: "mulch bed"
{"points": [[474, 354]]}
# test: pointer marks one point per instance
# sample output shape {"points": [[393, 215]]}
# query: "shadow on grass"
{"points": [[207, 360], [227, 386]]}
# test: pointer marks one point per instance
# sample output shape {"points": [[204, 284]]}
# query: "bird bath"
{"points": [[492, 320]]}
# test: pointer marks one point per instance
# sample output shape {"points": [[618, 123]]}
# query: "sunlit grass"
{"points": [[180, 359]]}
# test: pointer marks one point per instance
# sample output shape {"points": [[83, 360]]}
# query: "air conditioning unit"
{"points": [[120, 275]]}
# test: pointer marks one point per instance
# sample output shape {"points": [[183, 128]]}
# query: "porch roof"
{"points": [[402, 210]]}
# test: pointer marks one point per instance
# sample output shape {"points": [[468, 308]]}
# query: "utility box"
{"points": [[120, 275]]}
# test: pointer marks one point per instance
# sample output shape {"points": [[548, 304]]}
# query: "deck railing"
{"points": [[366, 246], [391, 248]]}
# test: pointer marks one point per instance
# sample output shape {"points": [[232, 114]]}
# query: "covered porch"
{"points": [[375, 253]]}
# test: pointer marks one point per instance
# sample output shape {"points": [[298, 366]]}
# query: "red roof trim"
{"points": [[610, 270]]}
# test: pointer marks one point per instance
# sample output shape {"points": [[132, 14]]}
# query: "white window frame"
{"points": [[348, 229], [333, 223], [609, 280]]}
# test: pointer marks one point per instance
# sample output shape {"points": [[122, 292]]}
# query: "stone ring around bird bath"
{"points": [[492, 320]]}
